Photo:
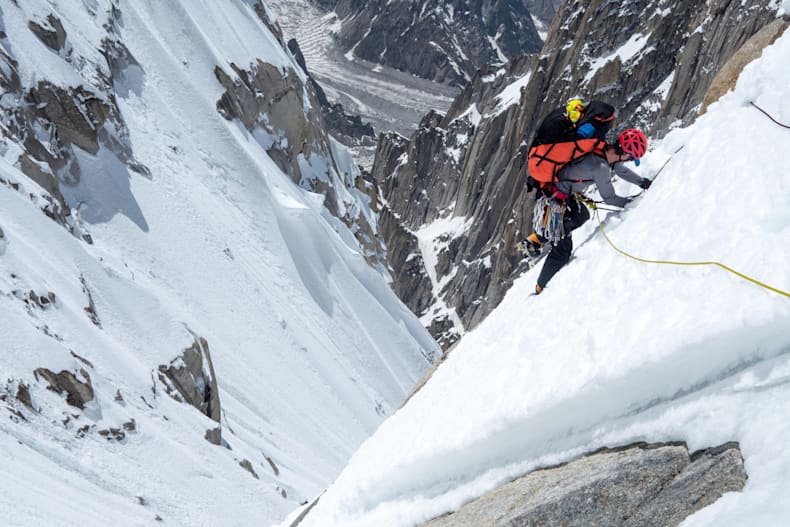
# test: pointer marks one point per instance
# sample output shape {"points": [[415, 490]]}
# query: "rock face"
{"points": [[441, 170], [346, 128], [78, 393], [442, 40], [638, 485], [282, 110], [54, 131], [190, 378], [49, 124], [467, 168], [728, 75]]}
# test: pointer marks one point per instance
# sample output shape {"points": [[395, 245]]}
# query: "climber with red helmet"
{"points": [[596, 168]]}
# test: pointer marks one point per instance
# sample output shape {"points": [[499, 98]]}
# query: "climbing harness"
{"points": [[547, 219], [669, 262]]}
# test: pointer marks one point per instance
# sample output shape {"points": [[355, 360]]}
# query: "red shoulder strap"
{"points": [[545, 161]]}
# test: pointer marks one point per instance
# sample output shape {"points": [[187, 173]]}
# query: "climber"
{"points": [[597, 168]]}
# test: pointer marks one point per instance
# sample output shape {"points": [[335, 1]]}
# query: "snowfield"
{"points": [[310, 347], [616, 351]]}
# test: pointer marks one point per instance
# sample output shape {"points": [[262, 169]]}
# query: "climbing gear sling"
{"points": [[547, 219]]}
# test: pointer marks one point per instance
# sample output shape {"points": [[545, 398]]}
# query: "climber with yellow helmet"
{"points": [[569, 154]]}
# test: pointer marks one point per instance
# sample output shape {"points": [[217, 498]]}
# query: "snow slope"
{"points": [[616, 351], [310, 347]]}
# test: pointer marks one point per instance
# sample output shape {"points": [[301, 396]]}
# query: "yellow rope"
{"points": [[669, 262]]}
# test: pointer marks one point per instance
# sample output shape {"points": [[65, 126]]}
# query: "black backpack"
{"points": [[600, 115], [554, 128], [557, 128]]}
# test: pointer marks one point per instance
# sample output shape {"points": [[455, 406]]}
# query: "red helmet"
{"points": [[634, 142]]}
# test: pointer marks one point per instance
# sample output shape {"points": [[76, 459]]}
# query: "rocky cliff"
{"points": [[441, 40], [51, 125], [654, 62], [346, 128], [641, 485]]}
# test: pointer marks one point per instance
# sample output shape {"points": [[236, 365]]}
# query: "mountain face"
{"points": [[455, 191], [49, 121], [445, 41], [346, 128], [533, 417], [189, 271]]}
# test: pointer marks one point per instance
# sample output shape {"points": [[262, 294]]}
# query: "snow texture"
{"points": [[310, 347], [616, 351]]}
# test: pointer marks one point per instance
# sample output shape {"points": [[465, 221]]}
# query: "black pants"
{"points": [[574, 218]]}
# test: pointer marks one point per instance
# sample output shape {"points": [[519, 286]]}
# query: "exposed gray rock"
{"points": [[444, 168], [274, 468], [543, 10], [191, 375], [727, 76], [214, 436], [442, 40], [406, 262], [91, 308], [346, 128], [246, 465], [112, 434], [78, 393], [50, 32], [711, 473], [283, 113], [637, 486], [48, 121], [484, 181], [265, 17], [23, 395]]}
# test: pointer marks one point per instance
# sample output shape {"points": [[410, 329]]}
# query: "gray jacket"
{"points": [[591, 169]]}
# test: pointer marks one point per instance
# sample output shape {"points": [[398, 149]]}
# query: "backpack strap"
{"points": [[546, 161]]}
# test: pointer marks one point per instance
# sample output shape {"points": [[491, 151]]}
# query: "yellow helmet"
{"points": [[574, 108]]}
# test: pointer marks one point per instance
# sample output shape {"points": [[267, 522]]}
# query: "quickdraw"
{"points": [[547, 219]]}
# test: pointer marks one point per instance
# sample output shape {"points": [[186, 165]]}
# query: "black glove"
{"points": [[645, 183]]}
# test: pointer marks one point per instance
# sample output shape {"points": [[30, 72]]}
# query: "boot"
{"points": [[533, 245]]}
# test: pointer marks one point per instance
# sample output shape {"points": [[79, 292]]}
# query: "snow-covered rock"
{"points": [[446, 41], [166, 187]]}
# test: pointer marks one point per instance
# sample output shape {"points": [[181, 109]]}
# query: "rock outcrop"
{"points": [[49, 124], [346, 128], [78, 392], [190, 378], [282, 110], [467, 167], [727, 76], [639, 485], [442, 40], [53, 128]]}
